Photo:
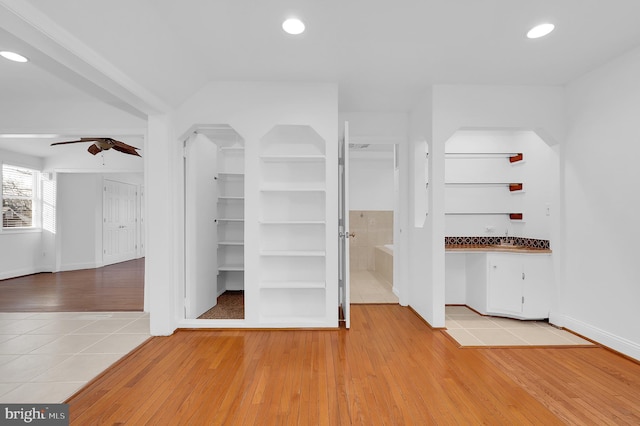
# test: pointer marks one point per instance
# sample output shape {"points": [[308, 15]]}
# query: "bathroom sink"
{"points": [[508, 246]]}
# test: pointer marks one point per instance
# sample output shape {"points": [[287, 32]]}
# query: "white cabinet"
{"points": [[516, 285]]}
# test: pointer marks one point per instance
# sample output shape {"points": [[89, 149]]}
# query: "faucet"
{"points": [[506, 241]]}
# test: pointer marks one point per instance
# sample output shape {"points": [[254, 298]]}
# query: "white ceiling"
{"points": [[381, 53]]}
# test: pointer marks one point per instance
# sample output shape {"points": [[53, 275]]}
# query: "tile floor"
{"points": [[366, 287], [47, 357], [471, 329]]}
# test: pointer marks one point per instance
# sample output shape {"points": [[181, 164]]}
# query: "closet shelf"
{"points": [[230, 174], [292, 284], [292, 222], [293, 253], [226, 197], [231, 243], [289, 188], [230, 267], [226, 219], [291, 157]]}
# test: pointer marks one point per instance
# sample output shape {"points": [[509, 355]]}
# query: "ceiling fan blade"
{"points": [[94, 149], [64, 143], [127, 149]]}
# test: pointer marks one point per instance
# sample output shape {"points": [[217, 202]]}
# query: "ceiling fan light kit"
{"points": [[104, 144]]}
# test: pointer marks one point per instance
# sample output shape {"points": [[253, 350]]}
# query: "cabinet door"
{"points": [[537, 286], [504, 292]]}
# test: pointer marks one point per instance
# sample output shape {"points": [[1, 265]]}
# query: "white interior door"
{"points": [[343, 227], [120, 222], [201, 230]]}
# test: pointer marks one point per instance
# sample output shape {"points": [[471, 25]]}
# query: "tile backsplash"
{"points": [[520, 241]]}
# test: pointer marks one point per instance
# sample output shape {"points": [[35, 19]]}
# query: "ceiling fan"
{"points": [[104, 144]]}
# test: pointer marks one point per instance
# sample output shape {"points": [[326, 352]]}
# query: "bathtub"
{"points": [[383, 262]]}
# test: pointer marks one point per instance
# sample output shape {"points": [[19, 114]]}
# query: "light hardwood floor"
{"points": [[389, 368]]}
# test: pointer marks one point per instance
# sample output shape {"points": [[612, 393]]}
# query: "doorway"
{"points": [[371, 218], [214, 224]]}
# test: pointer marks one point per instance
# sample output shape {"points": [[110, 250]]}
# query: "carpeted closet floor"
{"points": [[230, 306]]}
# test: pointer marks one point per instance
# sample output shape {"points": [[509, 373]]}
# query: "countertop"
{"points": [[493, 248]]}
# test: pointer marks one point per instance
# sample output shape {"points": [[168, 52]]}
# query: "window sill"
{"points": [[11, 231]]}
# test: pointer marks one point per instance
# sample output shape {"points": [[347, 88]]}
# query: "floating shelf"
{"points": [[512, 216]]}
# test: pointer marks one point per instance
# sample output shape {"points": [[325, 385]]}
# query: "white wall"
{"points": [[252, 108], [599, 290], [79, 221], [437, 117], [371, 180], [539, 172]]}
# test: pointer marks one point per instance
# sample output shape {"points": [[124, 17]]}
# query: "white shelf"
{"points": [[290, 188], [293, 222], [224, 198], [232, 148], [455, 155], [231, 243], [288, 157], [230, 174], [292, 284], [293, 253], [230, 220], [236, 268]]}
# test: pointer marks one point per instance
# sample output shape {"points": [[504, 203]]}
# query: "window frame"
{"points": [[36, 225]]}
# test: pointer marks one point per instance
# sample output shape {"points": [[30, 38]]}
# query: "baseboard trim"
{"points": [[22, 272], [78, 266], [612, 341]]}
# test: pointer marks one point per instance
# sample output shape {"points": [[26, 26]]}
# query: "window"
{"points": [[18, 197]]}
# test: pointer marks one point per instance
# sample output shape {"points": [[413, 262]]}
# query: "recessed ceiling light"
{"points": [[293, 26], [12, 56], [540, 30]]}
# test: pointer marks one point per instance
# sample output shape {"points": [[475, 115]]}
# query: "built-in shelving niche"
{"points": [[214, 189], [292, 226]]}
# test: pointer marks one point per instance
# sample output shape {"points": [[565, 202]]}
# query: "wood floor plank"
{"points": [[117, 287], [389, 368]]}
